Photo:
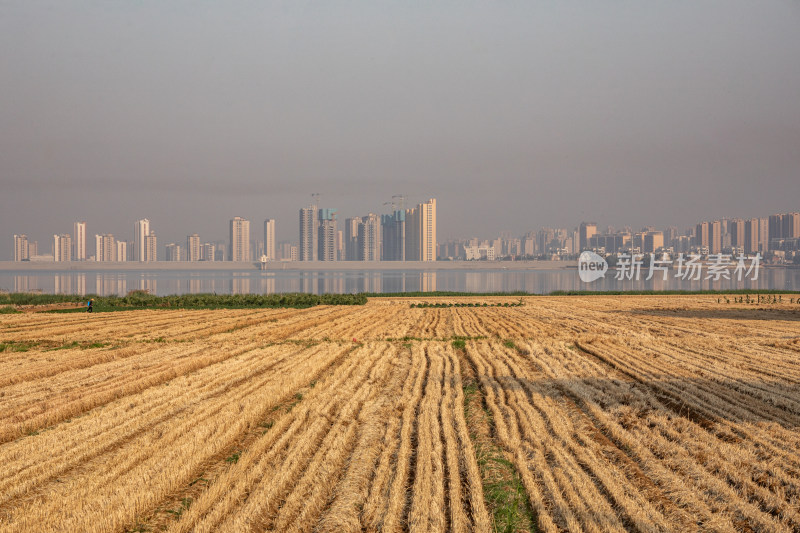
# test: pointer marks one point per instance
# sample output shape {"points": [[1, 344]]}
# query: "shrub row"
{"points": [[464, 304], [190, 301], [143, 300]]}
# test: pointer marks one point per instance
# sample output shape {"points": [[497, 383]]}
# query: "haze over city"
{"points": [[515, 116]]}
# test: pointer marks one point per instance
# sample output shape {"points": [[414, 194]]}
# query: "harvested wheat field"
{"points": [[601, 413]]}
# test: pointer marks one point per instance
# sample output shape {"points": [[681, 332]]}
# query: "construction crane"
{"points": [[397, 205]]}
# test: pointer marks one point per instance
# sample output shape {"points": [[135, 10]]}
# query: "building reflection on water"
{"points": [[239, 284], [348, 281], [25, 284]]}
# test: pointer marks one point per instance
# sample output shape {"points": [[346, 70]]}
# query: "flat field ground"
{"points": [[600, 413]]}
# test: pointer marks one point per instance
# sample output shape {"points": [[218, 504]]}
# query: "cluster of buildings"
{"points": [[776, 238], [410, 235], [402, 235]]}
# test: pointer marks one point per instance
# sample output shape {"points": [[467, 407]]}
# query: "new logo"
{"points": [[591, 267]]}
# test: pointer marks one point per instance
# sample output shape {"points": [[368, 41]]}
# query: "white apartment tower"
{"points": [[62, 247], [21, 248], [141, 229], [269, 239], [122, 251], [327, 235], [79, 241], [240, 239], [150, 248], [193, 247], [106, 248], [369, 238], [421, 232], [174, 252]]}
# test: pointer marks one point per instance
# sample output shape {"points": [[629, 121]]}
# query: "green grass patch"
{"points": [[506, 495], [504, 492], [185, 504], [79, 345], [233, 458], [21, 346]]}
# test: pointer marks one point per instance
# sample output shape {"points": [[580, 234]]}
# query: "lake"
{"points": [[352, 281]]}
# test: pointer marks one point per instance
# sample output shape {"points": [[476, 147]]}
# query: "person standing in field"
{"points": [[89, 305]]}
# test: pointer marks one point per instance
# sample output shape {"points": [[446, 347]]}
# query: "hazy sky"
{"points": [[514, 115]]}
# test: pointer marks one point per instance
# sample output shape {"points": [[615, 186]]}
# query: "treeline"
{"points": [[143, 300], [30, 298]]}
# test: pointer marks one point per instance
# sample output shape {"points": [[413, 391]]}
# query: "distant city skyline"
{"points": [[411, 234]]}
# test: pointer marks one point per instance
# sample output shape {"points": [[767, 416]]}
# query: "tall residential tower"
{"points": [[269, 239], [421, 232], [240, 239], [308, 234], [141, 229], [79, 241], [327, 235]]}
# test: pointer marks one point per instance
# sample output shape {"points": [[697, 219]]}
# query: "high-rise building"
{"points": [[208, 252], [775, 228], [791, 226], [174, 252], [269, 239], [369, 238], [682, 243], [751, 236], [653, 241], [544, 239], [393, 236], [309, 237], [284, 251], [62, 247], [150, 248], [715, 237], [327, 235], [670, 234], [141, 229], [79, 241], [736, 228], [122, 251], [701, 238], [421, 232], [21, 249], [240, 239], [339, 245], [105, 248], [587, 231], [193, 247], [351, 238], [763, 235]]}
